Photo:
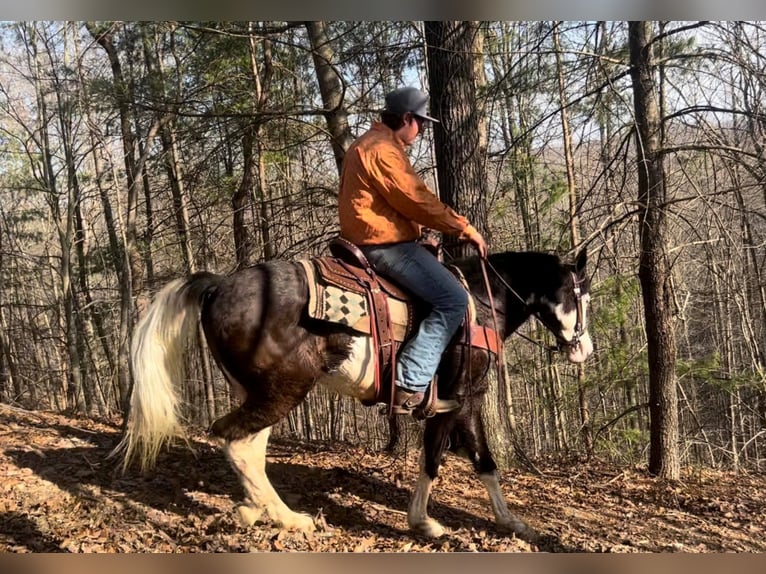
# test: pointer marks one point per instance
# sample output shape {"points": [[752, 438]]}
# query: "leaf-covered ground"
{"points": [[59, 494]]}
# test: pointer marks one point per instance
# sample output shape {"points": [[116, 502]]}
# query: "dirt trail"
{"points": [[59, 494]]}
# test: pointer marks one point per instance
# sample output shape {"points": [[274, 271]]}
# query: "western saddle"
{"points": [[390, 312]]}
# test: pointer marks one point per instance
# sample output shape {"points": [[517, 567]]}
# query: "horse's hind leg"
{"points": [[471, 442], [245, 432], [248, 457]]}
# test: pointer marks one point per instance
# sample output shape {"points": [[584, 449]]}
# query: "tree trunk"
{"points": [[654, 270], [262, 83], [172, 161], [241, 201], [461, 176], [132, 283], [64, 223], [118, 366], [452, 51], [119, 374], [332, 89], [10, 381]]}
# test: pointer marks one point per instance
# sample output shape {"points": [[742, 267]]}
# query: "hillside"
{"points": [[60, 494]]}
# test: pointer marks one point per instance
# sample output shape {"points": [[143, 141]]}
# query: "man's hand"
{"points": [[478, 241]]}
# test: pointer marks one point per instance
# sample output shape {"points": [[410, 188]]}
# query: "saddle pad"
{"points": [[337, 305], [344, 307]]}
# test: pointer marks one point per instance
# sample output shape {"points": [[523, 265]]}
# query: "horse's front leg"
{"points": [[435, 437], [505, 519], [471, 442]]}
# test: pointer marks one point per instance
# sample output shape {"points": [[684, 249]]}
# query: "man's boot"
{"points": [[421, 404]]}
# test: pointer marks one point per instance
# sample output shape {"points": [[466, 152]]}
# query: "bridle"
{"points": [[561, 343], [579, 330]]}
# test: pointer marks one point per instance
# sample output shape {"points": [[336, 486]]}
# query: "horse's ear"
{"points": [[582, 260]]}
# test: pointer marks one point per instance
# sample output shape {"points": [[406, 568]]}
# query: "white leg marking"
{"points": [[248, 457], [417, 515], [505, 519]]}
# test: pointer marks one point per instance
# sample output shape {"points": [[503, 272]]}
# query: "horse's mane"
{"points": [[523, 266]]}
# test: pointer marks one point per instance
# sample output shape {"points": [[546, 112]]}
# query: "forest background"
{"points": [[133, 153]]}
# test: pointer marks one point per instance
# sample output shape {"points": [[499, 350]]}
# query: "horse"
{"points": [[272, 354]]}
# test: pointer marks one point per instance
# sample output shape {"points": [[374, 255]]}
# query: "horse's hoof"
{"points": [[301, 522], [248, 515], [517, 527], [429, 528]]}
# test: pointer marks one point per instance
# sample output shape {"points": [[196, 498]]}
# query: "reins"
{"points": [[491, 299], [491, 304], [561, 343]]}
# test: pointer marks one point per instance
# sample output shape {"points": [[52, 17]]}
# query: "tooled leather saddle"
{"points": [[348, 291]]}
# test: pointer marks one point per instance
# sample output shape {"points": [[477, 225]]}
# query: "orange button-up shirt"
{"points": [[383, 200]]}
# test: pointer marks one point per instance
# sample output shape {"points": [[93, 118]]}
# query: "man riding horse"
{"points": [[382, 205], [273, 351]]}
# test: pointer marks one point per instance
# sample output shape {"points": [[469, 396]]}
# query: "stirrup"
{"points": [[422, 405]]}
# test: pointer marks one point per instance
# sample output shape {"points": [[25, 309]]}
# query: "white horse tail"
{"points": [[157, 365]]}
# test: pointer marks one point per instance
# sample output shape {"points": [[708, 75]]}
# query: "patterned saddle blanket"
{"points": [[338, 295]]}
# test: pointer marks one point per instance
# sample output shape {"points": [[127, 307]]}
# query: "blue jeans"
{"points": [[414, 268]]}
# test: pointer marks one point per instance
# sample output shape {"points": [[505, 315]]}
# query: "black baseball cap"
{"points": [[408, 99]]}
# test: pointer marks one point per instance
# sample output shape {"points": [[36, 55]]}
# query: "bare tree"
{"points": [[654, 270], [574, 223], [332, 89], [133, 265]]}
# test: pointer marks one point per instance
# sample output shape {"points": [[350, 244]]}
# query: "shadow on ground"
{"points": [[83, 469]]}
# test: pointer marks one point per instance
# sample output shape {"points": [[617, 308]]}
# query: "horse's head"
{"points": [[566, 313]]}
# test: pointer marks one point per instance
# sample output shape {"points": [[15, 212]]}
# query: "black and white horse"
{"points": [[272, 354]]}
